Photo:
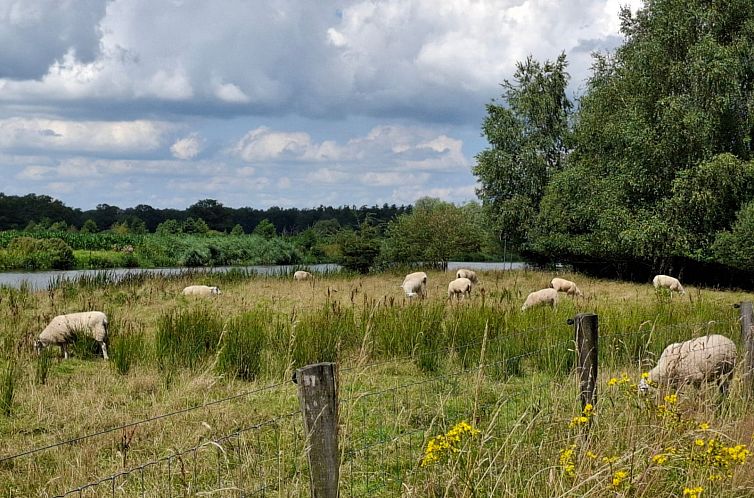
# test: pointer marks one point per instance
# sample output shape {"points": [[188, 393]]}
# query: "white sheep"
{"points": [[470, 274], [460, 288], [563, 285], [671, 283], [63, 328], [415, 287], [710, 357], [416, 275], [542, 296], [302, 275], [200, 290]]}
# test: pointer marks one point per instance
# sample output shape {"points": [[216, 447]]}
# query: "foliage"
{"points": [[434, 233], [735, 247], [186, 338], [662, 140], [237, 230], [243, 340], [529, 138], [89, 226], [39, 254], [359, 249], [265, 229]]}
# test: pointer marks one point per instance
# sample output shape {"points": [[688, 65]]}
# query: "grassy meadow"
{"points": [[410, 372]]}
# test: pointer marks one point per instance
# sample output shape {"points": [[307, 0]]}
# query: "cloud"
{"points": [[188, 147], [262, 144], [89, 136], [409, 58]]}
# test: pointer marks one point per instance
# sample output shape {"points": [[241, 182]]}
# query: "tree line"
{"points": [[44, 212], [650, 169]]}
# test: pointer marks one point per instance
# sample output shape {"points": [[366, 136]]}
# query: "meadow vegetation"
{"points": [[410, 373]]}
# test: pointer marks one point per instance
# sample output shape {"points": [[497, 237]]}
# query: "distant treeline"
{"points": [[23, 212]]}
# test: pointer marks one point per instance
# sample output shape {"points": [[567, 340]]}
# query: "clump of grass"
{"points": [[125, 351], [320, 335], [8, 384], [42, 367], [244, 339], [185, 338]]}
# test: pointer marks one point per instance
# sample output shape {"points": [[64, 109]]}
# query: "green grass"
{"points": [[408, 371]]}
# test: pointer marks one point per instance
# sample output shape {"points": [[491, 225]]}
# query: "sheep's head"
{"points": [[38, 347], [411, 295], [215, 290]]}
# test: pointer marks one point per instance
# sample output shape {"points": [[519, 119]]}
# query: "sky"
{"points": [[265, 103]]}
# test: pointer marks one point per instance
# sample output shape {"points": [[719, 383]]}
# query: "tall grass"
{"points": [[244, 338], [186, 338], [126, 350], [319, 336], [8, 384]]}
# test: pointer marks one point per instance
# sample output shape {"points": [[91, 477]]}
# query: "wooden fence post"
{"points": [[747, 337], [586, 346], [318, 395]]}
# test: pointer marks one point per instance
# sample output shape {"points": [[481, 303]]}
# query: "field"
{"points": [[197, 398]]}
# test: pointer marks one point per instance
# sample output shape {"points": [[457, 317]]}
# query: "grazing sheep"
{"points": [[542, 296], [200, 290], [63, 328], [415, 287], [416, 275], [671, 283], [470, 274], [302, 275], [459, 288], [563, 285], [710, 357]]}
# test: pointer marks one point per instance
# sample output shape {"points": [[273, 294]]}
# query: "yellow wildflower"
{"points": [[699, 442], [440, 446], [619, 477], [671, 399], [591, 454], [703, 426], [613, 381], [611, 459], [660, 459], [693, 492], [645, 375], [566, 460]]}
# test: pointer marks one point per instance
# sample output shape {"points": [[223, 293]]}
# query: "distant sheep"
{"points": [[63, 328], [671, 283], [200, 290], [460, 288], [540, 297], [706, 358], [302, 275], [563, 285], [470, 274], [415, 284]]}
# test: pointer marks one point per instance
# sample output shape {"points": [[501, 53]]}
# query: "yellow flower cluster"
{"points": [[566, 461], [693, 492], [583, 419], [619, 477], [439, 447]]}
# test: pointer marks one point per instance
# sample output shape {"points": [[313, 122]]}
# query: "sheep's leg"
{"points": [[104, 350], [64, 349]]}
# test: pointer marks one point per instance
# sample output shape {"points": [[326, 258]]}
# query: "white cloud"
{"points": [[35, 173], [188, 147], [91, 136], [458, 195], [393, 178], [327, 176], [262, 144]]}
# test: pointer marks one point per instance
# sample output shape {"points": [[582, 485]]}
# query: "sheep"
{"points": [[671, 283], [416, 275], [63, 328], [470, 274], [302, 275], [542, 296], [415, 287], [200, 290], [710, 357], [459, 288], [563, 285]]}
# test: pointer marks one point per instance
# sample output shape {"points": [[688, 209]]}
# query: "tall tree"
{"points": [[528, 135], [662, 139]]}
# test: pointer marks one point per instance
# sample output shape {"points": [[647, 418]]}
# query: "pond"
{"points": [[41, 279]]}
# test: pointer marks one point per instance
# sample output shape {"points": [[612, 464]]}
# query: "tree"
{"points": [[435, 232], [197, 226], [89, 226], [168, 227], [265, 229], [237, 230], [528, 137], [216, 216], [359, 249], [661, 140]]}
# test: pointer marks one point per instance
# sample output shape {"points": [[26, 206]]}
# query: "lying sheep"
{"points": [[302, 275], [671, 283], [200, 290], [542, 296], [416, 286], [459, 288], [63, 328], [710, 357], [563, 285], [470, 274]]}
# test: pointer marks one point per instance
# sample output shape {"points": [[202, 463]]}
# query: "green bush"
{"points": [[42, 254]]}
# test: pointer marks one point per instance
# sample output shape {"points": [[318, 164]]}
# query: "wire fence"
{"points": [[386, 418]]}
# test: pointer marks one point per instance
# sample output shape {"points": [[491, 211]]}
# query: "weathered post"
{"points": [[317, 393], [747, 337], [586, 327]]}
